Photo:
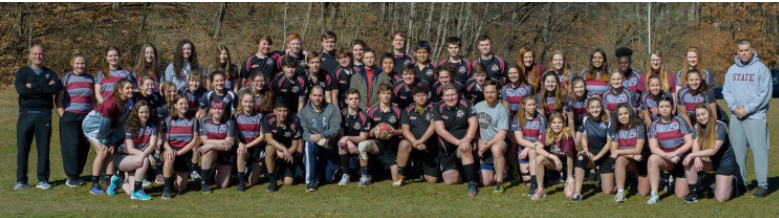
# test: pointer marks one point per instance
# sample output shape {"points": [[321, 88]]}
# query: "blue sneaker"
{"points": [[113, 185], [96, 189], [472, 190], [140, 195]]}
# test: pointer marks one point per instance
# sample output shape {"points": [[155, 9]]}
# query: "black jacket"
{"points": [[40, 97]]}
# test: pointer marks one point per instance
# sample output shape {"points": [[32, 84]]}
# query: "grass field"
{"points": [[379, 199]]}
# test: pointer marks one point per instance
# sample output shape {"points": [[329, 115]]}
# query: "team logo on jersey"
{"points": [[428, 116], [322, 84], [460, 113], [632, 133], [269, 61], [303, 63], [623, 98], [602, 126], [357, 125], [324, 59], [273, 130], [402, 97], [47, 76], [443, 116], [407, 62], [495, 68], [295, 89], [287, 134], [412, 117], [429, 72], [674, 126], [376, 119], [255, 65], [392, 119], [147, 132], [462, 69], [283, 90], [222, 128]]}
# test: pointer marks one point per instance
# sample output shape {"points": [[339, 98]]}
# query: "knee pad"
{"points": [[363, 147], [581, 161]]}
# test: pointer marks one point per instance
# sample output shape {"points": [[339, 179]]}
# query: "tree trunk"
{"points": [[440, 39], [143, 20], [222, 9], [305, 24], [117, 5], [478, 30], [19, 16], [286, 8], [410, 26], [429, 21], [333, 16], [322, 16], [547, 32], [29, 29], [383, 12], [460, 21]]}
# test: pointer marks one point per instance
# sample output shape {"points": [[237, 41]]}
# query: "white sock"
{"points": [[621, 191], [654, 193]]}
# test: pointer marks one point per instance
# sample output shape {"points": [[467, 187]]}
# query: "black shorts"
{"points": [[226, 157], [678, 170], [388, 151], [183, 163], [641, 167], [291, 170], [256, 154], [118, 157], [428, 159], [725, 166], [448, 161], [605, 165]]}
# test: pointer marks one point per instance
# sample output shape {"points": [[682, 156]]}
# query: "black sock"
{"points": [[533, 180], [137, 186], [344, 163], [364, 170], [272, 177], [168, 183], [204, 175], [402, 171], [692, 187], [470, 170], [241, 178], [95, 180]]}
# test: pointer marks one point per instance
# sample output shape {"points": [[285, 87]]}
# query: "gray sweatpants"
{"points": [[755, 133]]}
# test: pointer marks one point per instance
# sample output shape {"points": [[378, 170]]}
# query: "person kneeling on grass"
{"points": [[180, 136], [628, 137], [456, 124], [418, 131], [594, 152], [387, 148], [321, 122], [133, 155], [217, 133], [493, 125], [251, 141], [560, 145], [355, 126], [670, 140], [283, 134], [711, 152]]}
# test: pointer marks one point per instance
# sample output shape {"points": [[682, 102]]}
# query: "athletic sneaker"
{"points": [[576, 197], [44, 185], [140, 195], [104, 178], [241, 187], [206, 188], [271, 187], [344, 180], [145, 183], [538, 195], [472, 190], [72, 182], [620, 197], [195, 176], [364, 181], [398, 181], [692, 197], [311, 187], [113, 185], [166, 194], [96, 189], [499, 189], [159, 180], [532, 190], [761, 192], [20, 185], [654, 199]]}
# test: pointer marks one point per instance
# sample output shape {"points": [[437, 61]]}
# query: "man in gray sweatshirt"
{"points": [[321, 122], [747, 91]]}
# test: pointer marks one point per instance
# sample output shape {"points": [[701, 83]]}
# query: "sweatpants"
{"points": [[75, 147], [33, 124], [319, 160], [752, 132]]}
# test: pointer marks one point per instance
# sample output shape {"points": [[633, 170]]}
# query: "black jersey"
{"points": [[329, 61], [417, 121], [391, 117], [496, 67], [283, 134], [302, 64], [437, 92], [323, 79], [401, 60], [596, 132], [289, 89], [463, 69], [402, 93], [427, 73], [455, 120], [473, 91], [343, 77], [355, 124], [253, 64]]}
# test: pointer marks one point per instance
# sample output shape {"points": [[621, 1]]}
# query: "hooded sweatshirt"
{"points": [[749, 86], [326, 122]]}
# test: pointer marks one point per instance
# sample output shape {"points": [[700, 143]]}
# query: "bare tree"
{"points": [[305, 24], [410, 25], [221, 17], [322, 18], [286, 8], [429, 20], [333, 15]]}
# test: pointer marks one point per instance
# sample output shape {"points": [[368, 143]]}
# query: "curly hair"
{"points": [[178, 58], [134, 121]]}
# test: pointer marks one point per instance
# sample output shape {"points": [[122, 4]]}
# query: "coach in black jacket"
{"points": [[36, 86]]}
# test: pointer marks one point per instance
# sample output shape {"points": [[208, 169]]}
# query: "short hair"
{"points": [[343, 52], [388, 56], [39, 46], [408, 68], [214, 74], [490, 82], [312, 55], [448, 68], [483, 38], [328, 35], [264, 38], [479, 68], [420, 89], [289, 61], [454, 40], [316, 87], [448, 87], [384, 87], [280, 102], [358, 42], [745, 42], [368, 50], [623, 52], [352, 91], [422, 45], [293, 36], [399, 33]]}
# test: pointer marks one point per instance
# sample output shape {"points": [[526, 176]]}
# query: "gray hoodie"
{"points": [[326, 122], [748, 85]]}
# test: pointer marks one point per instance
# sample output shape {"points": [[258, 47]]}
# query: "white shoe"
{"points": [[344, 180], [654, 199]]}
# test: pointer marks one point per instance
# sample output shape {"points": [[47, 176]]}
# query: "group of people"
{"points": [[311, 116]]}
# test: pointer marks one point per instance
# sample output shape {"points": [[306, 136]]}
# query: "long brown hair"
{"points": [[686, 65], [707, 135], [174, 113], [552, 136], [117, 94], [663, 73], [168, 100], [107, 67], [266, 99], [531, 72], [178, 58], [603, 116], [134, 121], [592, 73], [522, 77], [142, 65], [703, 87], [557, 93], [521, 117], [228, 70]]}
